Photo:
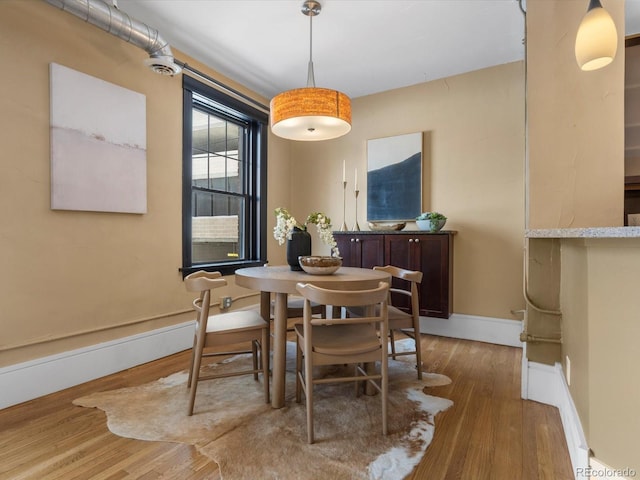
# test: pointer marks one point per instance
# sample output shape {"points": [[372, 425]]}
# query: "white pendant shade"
{"points": [[597, 39]]}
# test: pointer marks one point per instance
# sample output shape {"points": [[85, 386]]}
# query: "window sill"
{"points": [[223, 268]]}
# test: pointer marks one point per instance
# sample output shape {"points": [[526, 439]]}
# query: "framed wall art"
{"points": [[98, 144], [394, 178]]}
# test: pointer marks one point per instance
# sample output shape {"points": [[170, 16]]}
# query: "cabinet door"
{"points": [[363, 251], [436, 289], [402, 251], [371, 250], [344, 245], [431, 255]]}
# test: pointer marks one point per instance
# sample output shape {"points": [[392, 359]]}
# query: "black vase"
{"points": [[299, 245]]}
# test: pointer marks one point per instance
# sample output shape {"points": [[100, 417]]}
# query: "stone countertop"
{"points": [[591, 232], [394, 232]]}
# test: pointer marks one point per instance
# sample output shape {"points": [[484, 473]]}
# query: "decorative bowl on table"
{"points": [[386, 226], [318, 265]]}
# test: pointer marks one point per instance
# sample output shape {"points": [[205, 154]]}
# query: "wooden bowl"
{"points": [[318, 265]]}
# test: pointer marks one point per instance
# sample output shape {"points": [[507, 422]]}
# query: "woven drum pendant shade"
{"points": [[310, 114]]}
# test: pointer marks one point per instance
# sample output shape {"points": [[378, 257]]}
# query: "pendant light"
{"points": [[597, 39], [310, 113]]}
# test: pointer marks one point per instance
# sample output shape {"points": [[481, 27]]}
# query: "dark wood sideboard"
{"points": [[430, 253]]}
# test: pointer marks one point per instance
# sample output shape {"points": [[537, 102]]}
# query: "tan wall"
{"points": [[574, 298], [576, 169], [601, 330], [474, 152], [575, 130], [66, 273], [474, 175], [576, 122]]}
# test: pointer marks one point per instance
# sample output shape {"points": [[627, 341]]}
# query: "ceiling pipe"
{"points": [[118, 23]]}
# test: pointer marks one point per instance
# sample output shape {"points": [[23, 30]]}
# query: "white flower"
{"points": [[285, 223]]}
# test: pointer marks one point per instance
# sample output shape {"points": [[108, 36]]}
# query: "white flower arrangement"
{"points": [[285, 223]]}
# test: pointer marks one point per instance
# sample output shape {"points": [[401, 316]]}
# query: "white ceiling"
{"points": [[360, 47]]}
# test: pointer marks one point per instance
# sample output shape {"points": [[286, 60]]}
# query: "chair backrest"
{"points": [[414, 277], [376, 317], [345, 298], [200, 281], [203, 282]]}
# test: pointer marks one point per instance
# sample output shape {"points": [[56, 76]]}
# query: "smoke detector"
{"points": [[163, 65]]}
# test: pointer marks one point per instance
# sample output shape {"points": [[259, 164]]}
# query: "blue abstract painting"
{"points": [[394, 177]]}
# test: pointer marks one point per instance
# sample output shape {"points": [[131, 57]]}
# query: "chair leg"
{"points": [[298, 371], [384, 386], [254, 356], [193, 356], [393, 344], [416, 339], [418, 355], [308, 379], [194, 382], [264, 351]]}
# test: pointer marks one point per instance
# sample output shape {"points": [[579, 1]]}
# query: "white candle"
{"points": [[344, 171], [356, 181]]}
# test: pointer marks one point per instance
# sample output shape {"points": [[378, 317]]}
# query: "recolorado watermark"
{"points": [[605, 472]]}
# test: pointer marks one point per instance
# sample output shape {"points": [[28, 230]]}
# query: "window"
{"points": [[224, 181]]}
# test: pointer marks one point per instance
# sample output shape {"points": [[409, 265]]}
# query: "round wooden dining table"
{"points": [[281, 281]]}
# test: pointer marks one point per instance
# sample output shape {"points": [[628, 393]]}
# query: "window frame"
{"points": [[255, 176]]}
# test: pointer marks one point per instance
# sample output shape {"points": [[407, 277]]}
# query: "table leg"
{"points": [[265, 305], [279, 350]]}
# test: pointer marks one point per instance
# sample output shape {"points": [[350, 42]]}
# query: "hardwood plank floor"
{"points": [[489, 433]]}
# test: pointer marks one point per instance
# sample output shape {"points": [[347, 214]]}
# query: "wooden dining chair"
{"points": [[407, 319], [245, 326], [404, 315], [339, 341]]}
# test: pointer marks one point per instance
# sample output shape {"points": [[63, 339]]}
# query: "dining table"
{"points": [[281, 281]]}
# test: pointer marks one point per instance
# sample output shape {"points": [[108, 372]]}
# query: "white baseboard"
{"points": [[471, 327], [546, 384], [35, 378], [600, 471]]}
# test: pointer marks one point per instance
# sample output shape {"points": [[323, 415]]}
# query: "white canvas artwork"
{"points": [[98, 144]]}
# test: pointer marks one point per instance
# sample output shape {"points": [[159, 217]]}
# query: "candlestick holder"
{"points": [[343, 228], [356, 227]]}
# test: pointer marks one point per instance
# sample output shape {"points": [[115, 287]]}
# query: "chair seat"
{"points": [[343, 339], [394, 313], [235, 321], [298, 302], [399, 319], [295, 305]]}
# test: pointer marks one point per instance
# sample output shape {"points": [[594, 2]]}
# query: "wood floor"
{"points": [[489, 433]]}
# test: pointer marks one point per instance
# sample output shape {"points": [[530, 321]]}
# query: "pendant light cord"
{"points": [[311, 81]]}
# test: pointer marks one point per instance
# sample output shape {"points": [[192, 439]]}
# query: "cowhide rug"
{"points": [[249, 440]]}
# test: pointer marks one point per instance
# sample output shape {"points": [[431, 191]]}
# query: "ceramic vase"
{"points": [[299, 245]]}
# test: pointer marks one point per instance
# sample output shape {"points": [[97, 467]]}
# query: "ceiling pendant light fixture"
{"points": [[597, 39], [310, 113]]}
